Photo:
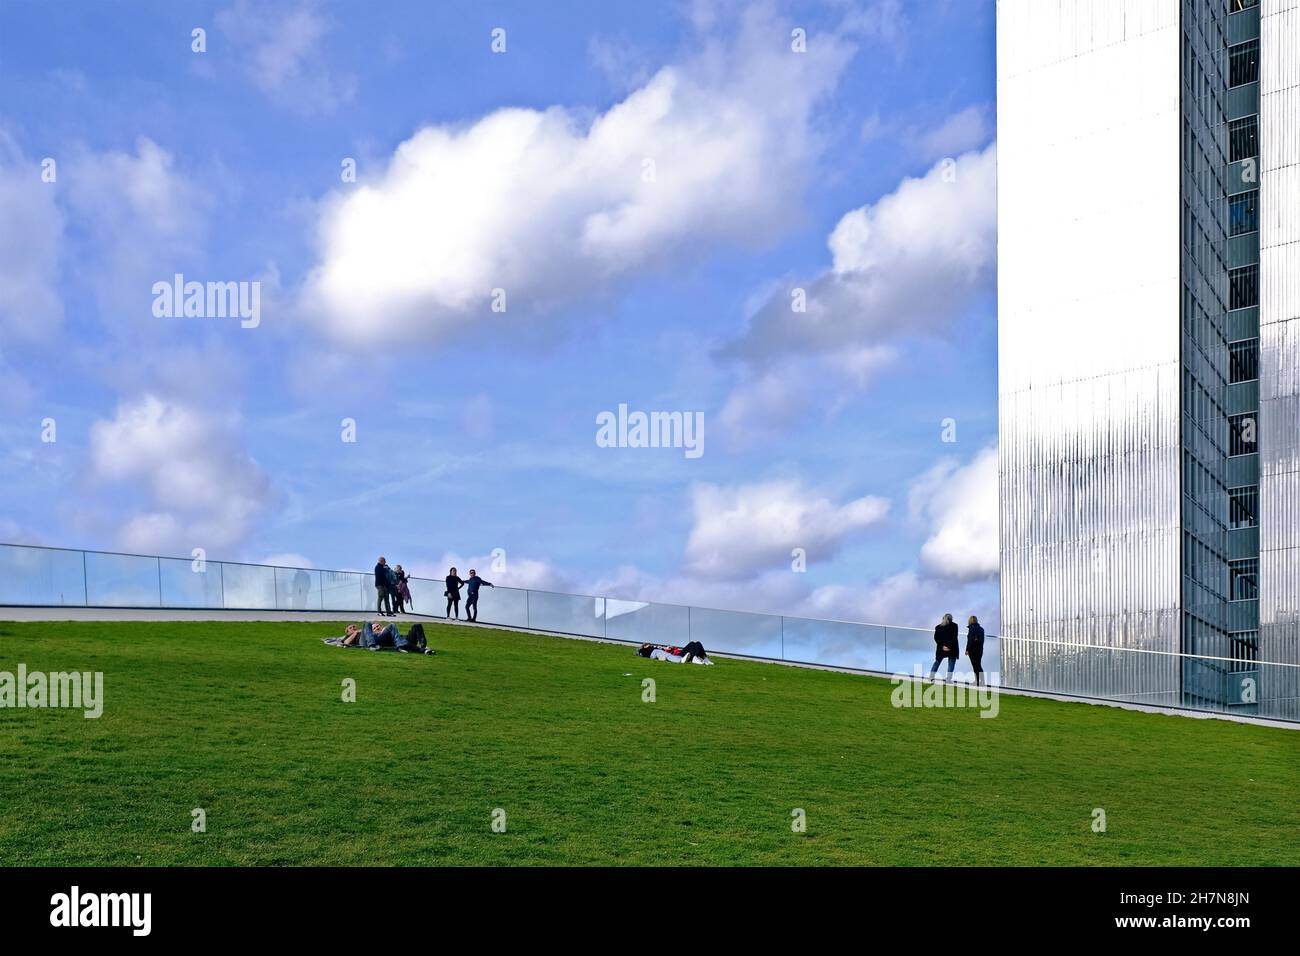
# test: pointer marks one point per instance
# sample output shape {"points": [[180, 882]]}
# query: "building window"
{"points": [[1241, 434], [1243, 63], [1235, 6], [1243, 213], [1243, 579], [1244, 648], [1243, 507], [1243, 361], [1243, 287], [1243, 138]]}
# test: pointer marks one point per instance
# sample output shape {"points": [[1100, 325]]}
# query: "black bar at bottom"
{"points": [[375, 905]]}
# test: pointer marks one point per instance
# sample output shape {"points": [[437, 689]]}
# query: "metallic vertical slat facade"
{"points": [[1089, 344], [1279, 316]]}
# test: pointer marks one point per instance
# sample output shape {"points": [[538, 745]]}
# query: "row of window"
{"points": [[1201, 561]]}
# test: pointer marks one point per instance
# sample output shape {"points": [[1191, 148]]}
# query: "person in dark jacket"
{"points": [[945, 645], [383, 604], [394, 606], [975, 647], [398, 597], [472, 584], [454, 584]]}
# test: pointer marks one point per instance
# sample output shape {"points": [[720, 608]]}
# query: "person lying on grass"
{"points": [[377, 636], [692, 653]]}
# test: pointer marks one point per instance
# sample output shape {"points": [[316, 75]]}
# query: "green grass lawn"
{"points": [[247, 721]]}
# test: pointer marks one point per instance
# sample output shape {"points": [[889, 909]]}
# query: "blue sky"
{"points": [[649, 185]]}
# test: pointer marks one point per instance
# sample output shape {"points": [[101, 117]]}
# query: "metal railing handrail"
{"points": [[508, 587], [599, 597]]}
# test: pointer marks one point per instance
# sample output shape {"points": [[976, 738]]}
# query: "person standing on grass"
{"points": [[473, 582], [945, 645], [383, 604], [454, 584], [975, 647]]}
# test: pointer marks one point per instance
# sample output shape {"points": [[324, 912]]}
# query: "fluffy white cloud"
{"points": [[31, 309], [911, 262], [907, 263], [279, 48], [960, 502], [144, 219], [741, 529], [202, 489], [553, 205]]}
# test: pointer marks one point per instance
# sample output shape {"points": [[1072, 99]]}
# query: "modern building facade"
{"points": [[1149, 351]]}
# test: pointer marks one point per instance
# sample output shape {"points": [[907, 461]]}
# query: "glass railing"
{"points": [[53, 577]]}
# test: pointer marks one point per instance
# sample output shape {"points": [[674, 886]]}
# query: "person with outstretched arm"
{"points": [[454, 584], [472, 584]]}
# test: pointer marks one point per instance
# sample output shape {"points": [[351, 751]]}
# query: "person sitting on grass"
{"points": [[692, 653]]}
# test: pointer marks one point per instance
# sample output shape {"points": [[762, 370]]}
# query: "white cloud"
{"points": [[279, 48], [961, 132], [907, 263], [31, 309], [779, 395], [201, 487], [145, 219], [741, 529], [552, 207], [960, 502], [141, 190]]}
